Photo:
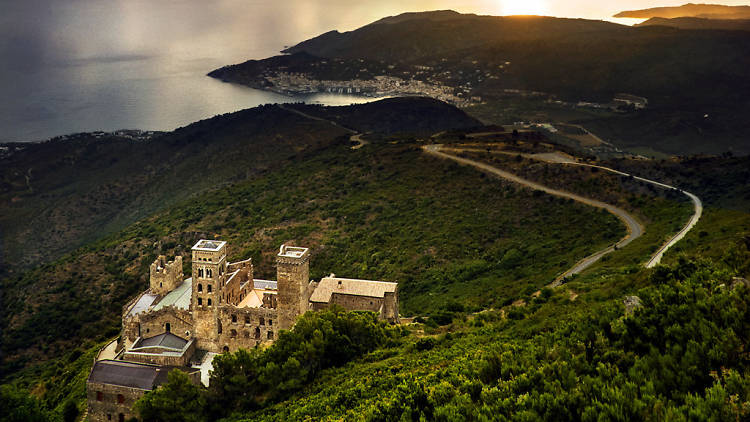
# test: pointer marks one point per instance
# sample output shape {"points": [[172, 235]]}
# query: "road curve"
{"points": [[635, 228], [697, 212]]}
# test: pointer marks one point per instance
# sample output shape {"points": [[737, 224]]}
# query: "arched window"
{"points": [[169, 327], [257, 333], [270, 322], [226, 349], [262, 321], [247, 320], [209, 301], [233, 334], [218, 324], [270, 335], [121, 417], [200, 301], [208, 286], [120, 399], [234, 318], [200, 287], [200, 272], [208, 273]]}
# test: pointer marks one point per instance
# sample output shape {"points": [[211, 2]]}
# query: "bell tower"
{"points": [[292, 278], [209, 276]]}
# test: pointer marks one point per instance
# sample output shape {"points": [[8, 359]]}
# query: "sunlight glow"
{"points": [[524, 7]]}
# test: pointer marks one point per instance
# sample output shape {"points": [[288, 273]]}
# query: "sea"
{"points": [[69, 66]]}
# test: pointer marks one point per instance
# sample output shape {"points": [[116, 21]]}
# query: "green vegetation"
{"points": [[472, 255], [678, 356]]}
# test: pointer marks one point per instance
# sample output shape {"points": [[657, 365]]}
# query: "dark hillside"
{"points": [[712, 11], [414, 37], [700, 23], [409, 116], [61, 194]]}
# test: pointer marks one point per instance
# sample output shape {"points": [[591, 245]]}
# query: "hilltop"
{"points": [[700, 23], [707, 11]]}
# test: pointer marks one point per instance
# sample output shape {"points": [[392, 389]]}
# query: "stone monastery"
{"points": [[182, 323]]}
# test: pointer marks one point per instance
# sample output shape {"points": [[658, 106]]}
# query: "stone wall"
{"points": [[386, 307], [246, 327], [111, 403], [154, 323]]}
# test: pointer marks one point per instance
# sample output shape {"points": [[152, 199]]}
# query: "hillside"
{"points": [[474, 60], [708, 11], [58, 195], [700, 23]]}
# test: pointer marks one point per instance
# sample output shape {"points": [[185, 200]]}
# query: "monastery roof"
{"points": [[265, 284], [167, 340], [179, 297], [209, 245], [143, 303], [128, 374], [348, 286], [254, 298]]}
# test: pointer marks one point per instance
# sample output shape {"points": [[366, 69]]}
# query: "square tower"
{"points": [[293, 278], [165, 276], [209, 276], [209, 272]]}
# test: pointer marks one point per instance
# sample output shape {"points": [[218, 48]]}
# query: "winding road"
{"points": [[635, 228]]}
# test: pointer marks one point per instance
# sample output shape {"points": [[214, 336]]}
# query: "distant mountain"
{"points": [[684, 73], [700, 23], [415, 36], [709, 11]]}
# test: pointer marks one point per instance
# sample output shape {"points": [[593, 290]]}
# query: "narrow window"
{"points": [[234, 318], [247, 320], [257, 333], [208, 273], [270, 322], [233, 333], [209, 301], [169, 327], [200, 272], [226, 349], [99, 396], [120, 399], [270, 335], [160, 284], [262, 321], [200, 302], [210, 289], [121, 417], [200, 287], [109, 416]]}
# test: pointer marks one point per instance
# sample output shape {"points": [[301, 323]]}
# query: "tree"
{"points": [[177, 400], [18, 406]]}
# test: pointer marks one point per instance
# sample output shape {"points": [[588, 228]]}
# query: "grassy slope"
{"points": [[386, 212]]}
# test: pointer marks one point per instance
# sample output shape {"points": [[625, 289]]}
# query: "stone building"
{"points": [[114, 386], [182, 322]]}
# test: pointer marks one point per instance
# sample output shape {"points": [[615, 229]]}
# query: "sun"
{"points": [[524, 7]]}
